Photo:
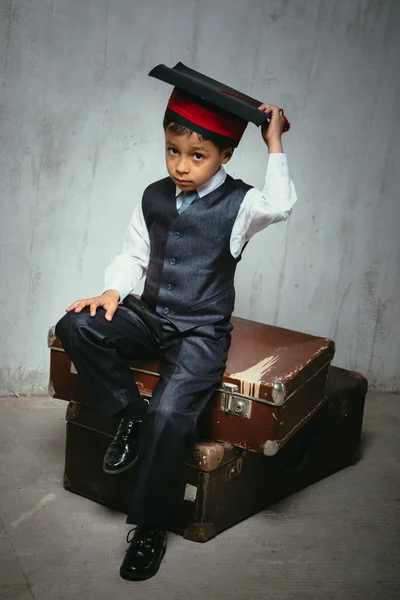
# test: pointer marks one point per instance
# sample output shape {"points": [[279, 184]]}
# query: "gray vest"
{"points": [[191, 270]]}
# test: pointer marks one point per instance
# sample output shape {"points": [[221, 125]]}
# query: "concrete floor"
{"points": [[338, 539]]}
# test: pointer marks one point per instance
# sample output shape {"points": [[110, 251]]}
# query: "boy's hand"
{"points": [[272, 131], [109, 301]]}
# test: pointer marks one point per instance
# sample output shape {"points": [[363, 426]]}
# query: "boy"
{"points": [[187, 235]]}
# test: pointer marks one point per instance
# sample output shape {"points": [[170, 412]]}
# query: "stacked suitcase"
{"points": [[282, 419]]}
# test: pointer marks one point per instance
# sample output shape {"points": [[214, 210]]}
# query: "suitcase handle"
{"points": [[293, 457], [292, 462], [297, 466]]}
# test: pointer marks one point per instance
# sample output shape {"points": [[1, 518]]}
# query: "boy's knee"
{"points": [[181, 422], [71, 324]]}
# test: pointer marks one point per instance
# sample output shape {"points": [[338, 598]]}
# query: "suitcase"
{"points": [[275, 380], [221, 484]]}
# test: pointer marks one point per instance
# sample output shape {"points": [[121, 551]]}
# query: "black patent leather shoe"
{"points": [[145, 553], [122, 453]]}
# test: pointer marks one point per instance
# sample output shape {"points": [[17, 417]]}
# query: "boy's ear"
{"points": [[227, 155]]}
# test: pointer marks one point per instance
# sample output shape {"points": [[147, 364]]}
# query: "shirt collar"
{"points": [[211, 185]]}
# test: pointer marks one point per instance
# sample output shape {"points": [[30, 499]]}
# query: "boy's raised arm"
{"points": [[274, 202]]}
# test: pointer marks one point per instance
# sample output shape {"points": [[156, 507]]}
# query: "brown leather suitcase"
{"points": [[275, 380], [223, 485]]}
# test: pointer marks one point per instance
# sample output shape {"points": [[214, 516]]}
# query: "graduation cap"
{"points": [[209, 107]]}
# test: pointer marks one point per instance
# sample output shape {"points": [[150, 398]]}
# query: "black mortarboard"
{"points": [[213, 107]]}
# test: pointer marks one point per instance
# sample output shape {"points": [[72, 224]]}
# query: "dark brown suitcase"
{"points": [[223, 485], [275, 380]]}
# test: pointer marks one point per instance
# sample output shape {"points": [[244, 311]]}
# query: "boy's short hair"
{"points": [[182, 130]]}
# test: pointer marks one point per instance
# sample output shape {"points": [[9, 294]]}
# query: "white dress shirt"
{"points": [[259, 209]]}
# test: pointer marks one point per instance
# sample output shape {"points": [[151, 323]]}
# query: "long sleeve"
{"points": [[262, 208], [128, 268]]}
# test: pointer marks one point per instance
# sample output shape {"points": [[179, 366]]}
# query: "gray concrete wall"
{"points": [[81, 136]]}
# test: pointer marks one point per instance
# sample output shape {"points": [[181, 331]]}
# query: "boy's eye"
{"points": [[172, 150], [198, 156]]}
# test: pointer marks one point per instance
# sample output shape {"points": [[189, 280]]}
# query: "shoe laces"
{"points": [[124, 429], [141, 542], [129, 533]]}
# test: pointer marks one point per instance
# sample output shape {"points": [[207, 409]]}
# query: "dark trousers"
{"points": [[191, 365]]}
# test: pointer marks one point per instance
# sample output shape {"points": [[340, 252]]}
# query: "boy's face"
{"points": [[192, 162]]}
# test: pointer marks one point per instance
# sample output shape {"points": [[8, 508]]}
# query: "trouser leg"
{"points": [[191, 367], [101, 351]]}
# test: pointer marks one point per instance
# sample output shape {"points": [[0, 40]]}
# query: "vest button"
{"points": [[168, 286], [166, 310], [172, 261], [177, 235]]}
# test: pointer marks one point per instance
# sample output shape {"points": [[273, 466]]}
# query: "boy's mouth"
{"points": [[182, 180]]}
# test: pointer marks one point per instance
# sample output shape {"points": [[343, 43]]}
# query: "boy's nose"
{"points": [[182, 167]]}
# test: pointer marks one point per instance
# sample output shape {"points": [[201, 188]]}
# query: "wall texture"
{"points": [[81, 135]]}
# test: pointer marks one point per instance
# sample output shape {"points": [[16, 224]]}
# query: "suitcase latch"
{"points": [[231, 405], [233, 470], [73, 369], [51, 336]]}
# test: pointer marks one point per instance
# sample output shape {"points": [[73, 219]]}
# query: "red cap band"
{"points": [[219, 122]]}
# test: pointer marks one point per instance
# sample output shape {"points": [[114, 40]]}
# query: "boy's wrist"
{"points": [[112, 292], [274, 146]]}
